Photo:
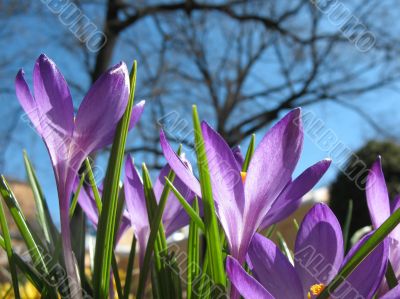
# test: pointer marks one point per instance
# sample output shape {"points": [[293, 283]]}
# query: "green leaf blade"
{"points": [[214, 249], [155, 224], [189, 210], [44, 218], [193, 262], [107, 220], [9, 251], [249, 153]]}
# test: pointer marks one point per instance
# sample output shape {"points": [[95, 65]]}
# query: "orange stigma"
{"points": [[243, 174], [315, 290]]}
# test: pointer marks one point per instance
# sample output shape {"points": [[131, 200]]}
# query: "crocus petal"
{"points": [[362, 282], [318, 247], [227, 188], [395, 204], [101, 109], [55, 110], [27, 101], [248, 287], [137, 112], [178, 166], [136, 205], [125, 224], [290, 198], [392, 294], [88, 206], [273, 270], [160, 182], [53, 98], [394, 256], [273, 163], [377, 195], [237, 153], [395, 234]]}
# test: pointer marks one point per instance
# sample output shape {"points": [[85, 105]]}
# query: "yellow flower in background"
{"points": [[27, 291], [4, 289]]}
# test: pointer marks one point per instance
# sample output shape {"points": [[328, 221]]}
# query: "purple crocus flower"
{"points": [[174, 216], [69, 140], [380, 209], [265, 194], [318, 256], [392, 294]]}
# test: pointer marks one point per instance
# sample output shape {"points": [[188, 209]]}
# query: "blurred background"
{"points": [[243, 63]]}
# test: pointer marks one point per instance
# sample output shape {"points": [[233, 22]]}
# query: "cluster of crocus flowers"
{"points": [[70, 139], [266, 193], [247, 199], [318, 256]]}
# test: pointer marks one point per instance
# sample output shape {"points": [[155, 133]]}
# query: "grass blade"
{"points": [[174, 276], [214, 249], [154, 230], [155, 284], [203, 289], [370, 244], [107, 221], [25, 268], [160, 274], [75, 198], [191, 212], [21, 223], [31, 274], [193, 262], [117, 279], [391, 276], [114, 264], [270, 231], [44, 217], [129, 269], [35, 247], [296, 225], [10, 253], [92, 181], [347, 224], [78, 230], [249, 153], [284, 247]]}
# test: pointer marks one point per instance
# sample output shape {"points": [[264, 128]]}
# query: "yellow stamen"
{"points": [[315, 290], [243, 174]]}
